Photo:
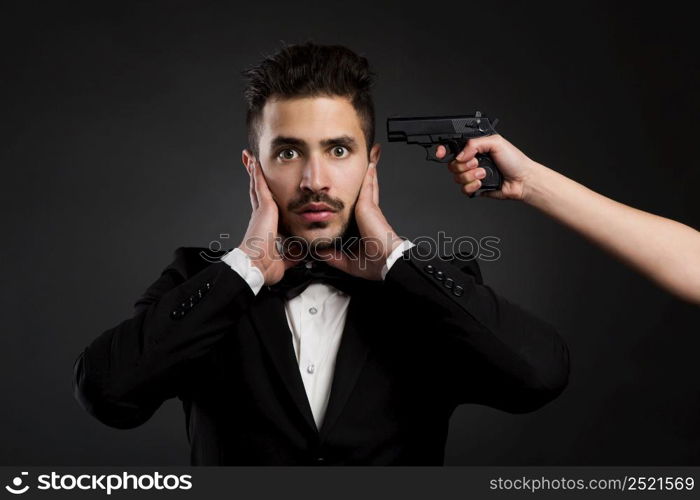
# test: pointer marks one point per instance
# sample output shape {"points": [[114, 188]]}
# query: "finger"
{"points": [[469, 176], [261, 188], [462, 166], [484, 144], [468, 152], [253, 196], [375, 184], [471, 187], [496, 195], [365, 188], [441, 151]]}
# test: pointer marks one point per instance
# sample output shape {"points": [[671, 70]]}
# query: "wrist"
{"points": [[396, 254], [254, 257], [240, 262], [382, 237], [535, 183], [395, 241]]}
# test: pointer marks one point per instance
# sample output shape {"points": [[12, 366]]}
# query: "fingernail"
{"points": [[460, 156], [480, 174]]}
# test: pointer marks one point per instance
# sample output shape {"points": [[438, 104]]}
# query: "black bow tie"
{"points": [[297, 278]]}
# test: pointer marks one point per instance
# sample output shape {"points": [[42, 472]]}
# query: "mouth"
{"points": [[315, 212]]}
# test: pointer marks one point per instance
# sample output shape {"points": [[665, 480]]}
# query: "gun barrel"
{"points": [[452, 131], [400, 128]]}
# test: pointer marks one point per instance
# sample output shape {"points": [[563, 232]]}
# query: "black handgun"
{"points": [[453, 132]]}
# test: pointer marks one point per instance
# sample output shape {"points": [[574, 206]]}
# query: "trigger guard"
{"points": [[432, 150]]}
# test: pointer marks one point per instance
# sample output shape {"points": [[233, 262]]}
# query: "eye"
{"points": [[287, 154], [338, 151]]}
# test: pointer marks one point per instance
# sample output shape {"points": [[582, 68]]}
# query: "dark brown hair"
{"points": [[310, 70]]}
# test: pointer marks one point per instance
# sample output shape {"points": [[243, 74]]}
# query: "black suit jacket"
{"points": [[428, 338]]}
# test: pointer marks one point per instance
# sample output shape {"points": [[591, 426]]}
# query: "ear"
{"points": [[375, 153], [248, 159]]}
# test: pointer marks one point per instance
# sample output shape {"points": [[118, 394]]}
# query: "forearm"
{"points": [[666, 251], [124, 375], [497, 353]]}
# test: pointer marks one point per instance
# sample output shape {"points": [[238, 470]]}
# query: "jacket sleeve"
{"points": [[123, 376], [493, 352]]}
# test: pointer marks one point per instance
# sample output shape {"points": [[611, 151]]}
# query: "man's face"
{"points": [[312, 150]]}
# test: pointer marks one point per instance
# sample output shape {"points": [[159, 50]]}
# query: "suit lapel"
{"points": [[270, 320], [350, 359]]}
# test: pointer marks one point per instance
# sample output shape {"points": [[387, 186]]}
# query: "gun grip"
{"points": [[493, 179]]}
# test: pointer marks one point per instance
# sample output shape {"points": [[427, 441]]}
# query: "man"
{"points": [[336, 350]]}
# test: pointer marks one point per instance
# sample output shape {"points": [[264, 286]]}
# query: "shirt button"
{"points": [[313, 310], [310, 368], [309, 265]]}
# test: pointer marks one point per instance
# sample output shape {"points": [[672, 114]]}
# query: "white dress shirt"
{"points": [[316, 318]]}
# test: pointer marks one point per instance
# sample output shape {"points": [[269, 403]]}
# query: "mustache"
{"points": [[316, 198]]}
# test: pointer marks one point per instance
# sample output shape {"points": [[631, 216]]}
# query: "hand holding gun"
{"points": [[452, 132], [670, 258]]}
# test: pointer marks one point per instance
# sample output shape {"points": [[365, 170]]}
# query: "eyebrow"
{"points": [[343, 140]]}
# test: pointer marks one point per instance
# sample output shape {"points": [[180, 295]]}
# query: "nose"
{"points": [[314, 177]]}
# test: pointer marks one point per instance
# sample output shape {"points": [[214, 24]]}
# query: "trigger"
{"points": [[431, 153]]}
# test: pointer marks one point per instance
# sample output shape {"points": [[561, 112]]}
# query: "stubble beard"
{"points": [[346, 237]]}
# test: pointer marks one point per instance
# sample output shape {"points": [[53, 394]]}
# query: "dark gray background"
{"points": [[122, 126]]}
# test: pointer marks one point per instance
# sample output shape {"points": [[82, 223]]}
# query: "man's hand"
{"points": [[260, 239], [377, 241], [515, 166]]}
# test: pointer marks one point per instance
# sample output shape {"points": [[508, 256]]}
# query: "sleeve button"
{"points": [[429, 269], [177, 314], [439, 275]]}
